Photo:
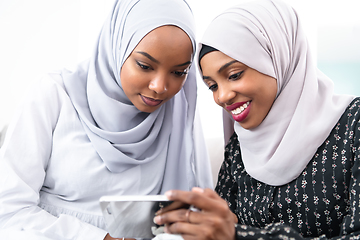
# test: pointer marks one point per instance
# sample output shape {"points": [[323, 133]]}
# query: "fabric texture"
{"points": [[122, 135], [266, 35], [322, 202], [51, 177], [76, 137]]}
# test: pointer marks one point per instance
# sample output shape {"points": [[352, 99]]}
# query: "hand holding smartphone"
{"points": [[131, 216]]}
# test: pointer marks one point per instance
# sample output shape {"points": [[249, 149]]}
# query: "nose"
{"points": [[158, 84], [225, 94]]}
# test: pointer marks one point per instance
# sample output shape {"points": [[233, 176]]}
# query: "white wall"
{"points": [[41, 35]]}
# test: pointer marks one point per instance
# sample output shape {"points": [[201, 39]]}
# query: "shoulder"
{"points": [[354, 106], [49, 87], [351, 116], [346, 133], [51, 81], [46, 98]]}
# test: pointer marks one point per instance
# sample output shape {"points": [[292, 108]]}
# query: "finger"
{"points": [[206, 192], [235, 218], [172, 206], [183, 228], [179, 215], [184, 215], [191, 231], [189, 237], [200, 225], [205, 200]]}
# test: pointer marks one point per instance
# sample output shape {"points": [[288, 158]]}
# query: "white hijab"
{"points": [[123, 136], [267, 36]]}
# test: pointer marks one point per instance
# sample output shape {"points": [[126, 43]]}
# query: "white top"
{"points": [[51, 186]]}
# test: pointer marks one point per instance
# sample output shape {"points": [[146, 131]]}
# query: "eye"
{"points": [[213, 87], [142, 66], [236, 76], [180, 74]]}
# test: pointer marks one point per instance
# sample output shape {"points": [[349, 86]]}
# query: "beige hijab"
{"points": [[267, 35]]}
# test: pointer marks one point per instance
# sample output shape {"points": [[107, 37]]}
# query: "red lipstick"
{"points": [[235, 106], [239, 117]]}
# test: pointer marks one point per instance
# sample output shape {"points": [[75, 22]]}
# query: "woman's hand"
{"points": [[213, 221]]}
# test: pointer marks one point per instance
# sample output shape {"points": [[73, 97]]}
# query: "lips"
{"points": [[150, 101], [235, 106], [239, 110]]}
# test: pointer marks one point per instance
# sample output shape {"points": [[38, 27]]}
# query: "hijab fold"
{"points": [[123, 136], [267, 36]]}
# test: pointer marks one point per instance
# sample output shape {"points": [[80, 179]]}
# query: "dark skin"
{"points": [[213, 221], [108, 237]]}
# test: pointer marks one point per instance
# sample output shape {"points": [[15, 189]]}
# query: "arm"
{"points": [[213, 221], [350, 227], [23, 162]]}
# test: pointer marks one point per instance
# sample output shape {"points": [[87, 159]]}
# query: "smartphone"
{"points": [[131, 216]]}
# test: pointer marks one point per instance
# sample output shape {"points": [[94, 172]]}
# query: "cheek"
{"points": [[215, 96], [130, 79], [125, 74]]}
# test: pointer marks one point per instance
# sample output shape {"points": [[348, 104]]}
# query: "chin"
{"points": [[248, 126], [147, 109]]}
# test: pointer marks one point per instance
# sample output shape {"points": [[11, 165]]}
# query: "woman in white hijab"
{"points": [[122, 123], [291, 167]]}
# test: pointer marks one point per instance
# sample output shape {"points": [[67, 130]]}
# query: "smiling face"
{"points": [[157, 68], [242, 91]]}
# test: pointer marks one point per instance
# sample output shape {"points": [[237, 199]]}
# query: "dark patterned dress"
{"points": [[323, 202]]}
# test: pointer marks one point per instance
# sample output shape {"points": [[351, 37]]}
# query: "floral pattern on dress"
{"points": [[322, 202]]}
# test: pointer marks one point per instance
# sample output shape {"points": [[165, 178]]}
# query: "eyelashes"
{"points": [[236, 76], [176, 73], [232, 77], [213, 87], [180, 74], [142, 66]]}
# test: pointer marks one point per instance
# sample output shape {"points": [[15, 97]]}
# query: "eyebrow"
{"points": [[157, 61], [148, 56], [222, 68], [184, 64], [226, 65]]}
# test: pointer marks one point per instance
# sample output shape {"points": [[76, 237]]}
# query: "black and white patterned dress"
{"points": [[323, 202]]}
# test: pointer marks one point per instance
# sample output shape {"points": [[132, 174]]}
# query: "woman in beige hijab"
{"points": [[291, 167]]}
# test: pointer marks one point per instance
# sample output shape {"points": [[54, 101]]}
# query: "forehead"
{"points": [[215, 60], [168, 44], [166, 36]]}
